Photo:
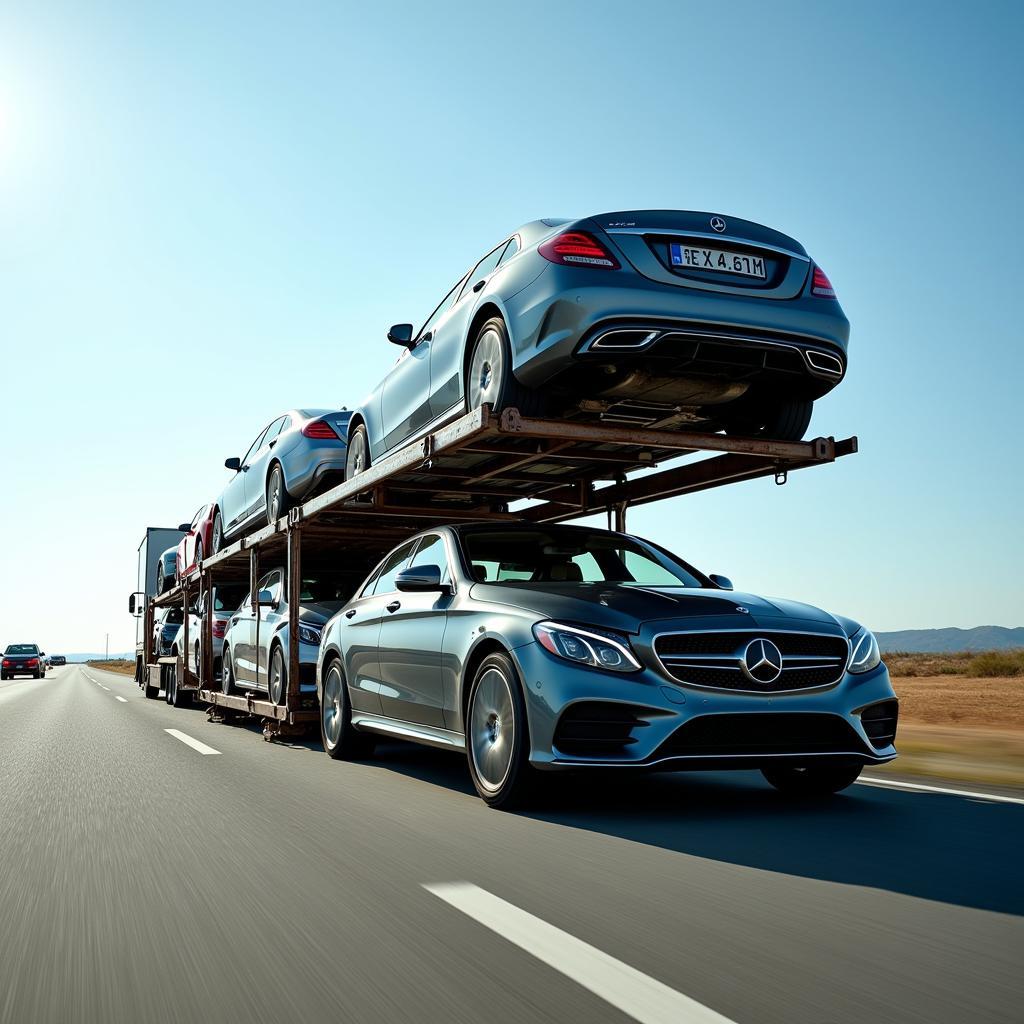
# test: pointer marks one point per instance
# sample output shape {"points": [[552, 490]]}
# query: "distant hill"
{"points": [[942, 641], [97, 657]]}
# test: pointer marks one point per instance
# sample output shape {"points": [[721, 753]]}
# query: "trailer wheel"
{"points": [[277, 683], [341, 739], [227, 674]]}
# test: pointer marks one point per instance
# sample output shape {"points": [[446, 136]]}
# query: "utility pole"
{"points": [[106, 656]]}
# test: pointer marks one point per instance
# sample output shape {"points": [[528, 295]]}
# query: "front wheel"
{"points": [[811, 780], [341, 739], [489, 376], [497, 735], [227, 674], [278, 682]]}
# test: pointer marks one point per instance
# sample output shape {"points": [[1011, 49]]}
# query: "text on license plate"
{"points": [[698, 258]]}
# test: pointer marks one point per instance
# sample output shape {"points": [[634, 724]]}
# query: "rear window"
{"points": [[17, 649]]}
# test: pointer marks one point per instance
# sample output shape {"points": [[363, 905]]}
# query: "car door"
{"points": [[409, 644], [270, 616], [232, 500], [448, 346], [256, 472], [405, 404], [361, 631], [241, 632]]}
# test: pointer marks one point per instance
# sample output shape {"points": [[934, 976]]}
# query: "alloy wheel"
{"points": [[492, 729], [486, 370], [332, 706]]}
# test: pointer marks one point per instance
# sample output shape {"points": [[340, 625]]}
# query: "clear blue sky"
{"points": [[210, 213]]}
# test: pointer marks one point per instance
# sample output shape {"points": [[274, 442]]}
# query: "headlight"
{"points": [[310, 634], [864, 653], [585, 647]]}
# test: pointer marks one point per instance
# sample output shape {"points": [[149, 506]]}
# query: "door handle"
{"points": [[272, 443], [479, 285], [350, 613], [394, 606]]}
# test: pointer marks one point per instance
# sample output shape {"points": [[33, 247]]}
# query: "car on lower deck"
{"points": [[540, 648], [295, 456], [256, 643], [166, 623], [227, 599], [664, 318], [23, 660]]}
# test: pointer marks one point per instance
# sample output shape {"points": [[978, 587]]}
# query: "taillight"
{"points": [[219, 628], [7, 662], [821, 285], [578, 249], [320, 430], [33, 662]]}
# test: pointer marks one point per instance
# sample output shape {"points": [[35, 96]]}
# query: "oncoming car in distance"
{"points": [[23, 660], [650, 318], [294, 456], [561, 647]]}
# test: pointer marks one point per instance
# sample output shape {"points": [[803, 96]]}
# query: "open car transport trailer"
{"points": [[470, 469]]}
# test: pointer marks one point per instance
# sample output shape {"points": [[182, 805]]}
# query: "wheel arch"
{"points": [[488, 310]]}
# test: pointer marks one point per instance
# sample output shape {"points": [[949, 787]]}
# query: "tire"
{"points": [[278, 499], [357, 460], [489, 377], [217, 534], [195, 661], [497, 735], [781, 421], [160, 578], [277, 679], [227, 675], [813, 780], [199, 552], [170, 674], [177, 697], [35, 675], [341, 739]]}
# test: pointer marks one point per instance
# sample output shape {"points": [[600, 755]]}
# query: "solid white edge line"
{"points": [[918, 787], [190, 742], [123, 700], [641, 997]]}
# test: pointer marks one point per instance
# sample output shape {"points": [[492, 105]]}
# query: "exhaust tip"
{"points": [[625, 338], [825, 363]]}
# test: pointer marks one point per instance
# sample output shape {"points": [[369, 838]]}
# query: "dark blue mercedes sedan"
{"points": [[651, 318]]}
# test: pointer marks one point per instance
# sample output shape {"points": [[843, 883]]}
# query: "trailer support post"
{"points": [[294, 597]]}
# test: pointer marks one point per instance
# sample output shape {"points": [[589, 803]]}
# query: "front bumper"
{"points": [[736, 729]]}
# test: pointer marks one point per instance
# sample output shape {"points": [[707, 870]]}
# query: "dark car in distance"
{"points": [[651, 318], [23, 660], [541, 648]]}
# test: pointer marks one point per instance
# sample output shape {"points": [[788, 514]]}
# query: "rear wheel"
{"points": [[217, 536], [341, 739], [812, 779], [497, 735], [199, 550], [781, 421], [227, 674], [358, 458], [160, 585], [278, 501], [489, 377], [278, 681]]}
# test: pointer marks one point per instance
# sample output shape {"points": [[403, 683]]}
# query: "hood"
{"points": [[317, 613], [625, 607]]}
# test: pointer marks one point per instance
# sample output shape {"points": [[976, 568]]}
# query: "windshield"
{"points": [[22, 649], [228, 598], [572, 555]]}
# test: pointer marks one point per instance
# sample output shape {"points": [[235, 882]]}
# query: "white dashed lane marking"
{"points": [[627, 989], [190, 742]]}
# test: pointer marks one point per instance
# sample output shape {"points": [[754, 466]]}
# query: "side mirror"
{"points": [[266, 597], [137, 604], [235, 464], [421, 579], [722, 582], [401, 334], [185, 527]]}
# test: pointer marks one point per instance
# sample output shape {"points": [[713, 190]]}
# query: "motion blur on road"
{"points": [[159, 867]]}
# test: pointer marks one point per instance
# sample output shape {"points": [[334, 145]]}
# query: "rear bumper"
{"points": [[561, 322]]}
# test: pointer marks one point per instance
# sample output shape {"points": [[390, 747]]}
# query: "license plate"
{"points": [[724, 261]]}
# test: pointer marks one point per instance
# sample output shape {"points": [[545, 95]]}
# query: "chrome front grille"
{"points": [[714, 659]]}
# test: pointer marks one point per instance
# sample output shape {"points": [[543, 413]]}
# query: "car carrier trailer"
{"points": [[474, 468]]}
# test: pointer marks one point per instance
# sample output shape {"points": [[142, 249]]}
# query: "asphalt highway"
{"points": [[209, 875]]}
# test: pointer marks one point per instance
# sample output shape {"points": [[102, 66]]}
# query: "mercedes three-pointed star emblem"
{"points": [[718, 224], [762, 661]]}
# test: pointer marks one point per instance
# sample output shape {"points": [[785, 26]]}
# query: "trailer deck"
{"points": [[481, 466]]}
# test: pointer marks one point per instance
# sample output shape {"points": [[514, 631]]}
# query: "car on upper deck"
{"points": [[537, 647], [649, 318], [297, 454]]}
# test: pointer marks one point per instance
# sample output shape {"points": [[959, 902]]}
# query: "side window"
{"points": [[273, 430], [432, 551], [446, 303], [254, 447], [394, 564], [483, 268], [510, 250], [273, 582]]}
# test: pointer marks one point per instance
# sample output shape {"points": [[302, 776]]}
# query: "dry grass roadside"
{"points": [[121, 665]]}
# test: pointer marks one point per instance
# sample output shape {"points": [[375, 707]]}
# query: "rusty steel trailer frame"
{"points": [[469, 469]]}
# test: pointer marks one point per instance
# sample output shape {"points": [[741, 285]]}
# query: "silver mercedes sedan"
{"points": [[299, 453]]}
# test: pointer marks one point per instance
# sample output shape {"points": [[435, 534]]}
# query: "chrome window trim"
{"points": [[676, 232]]}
